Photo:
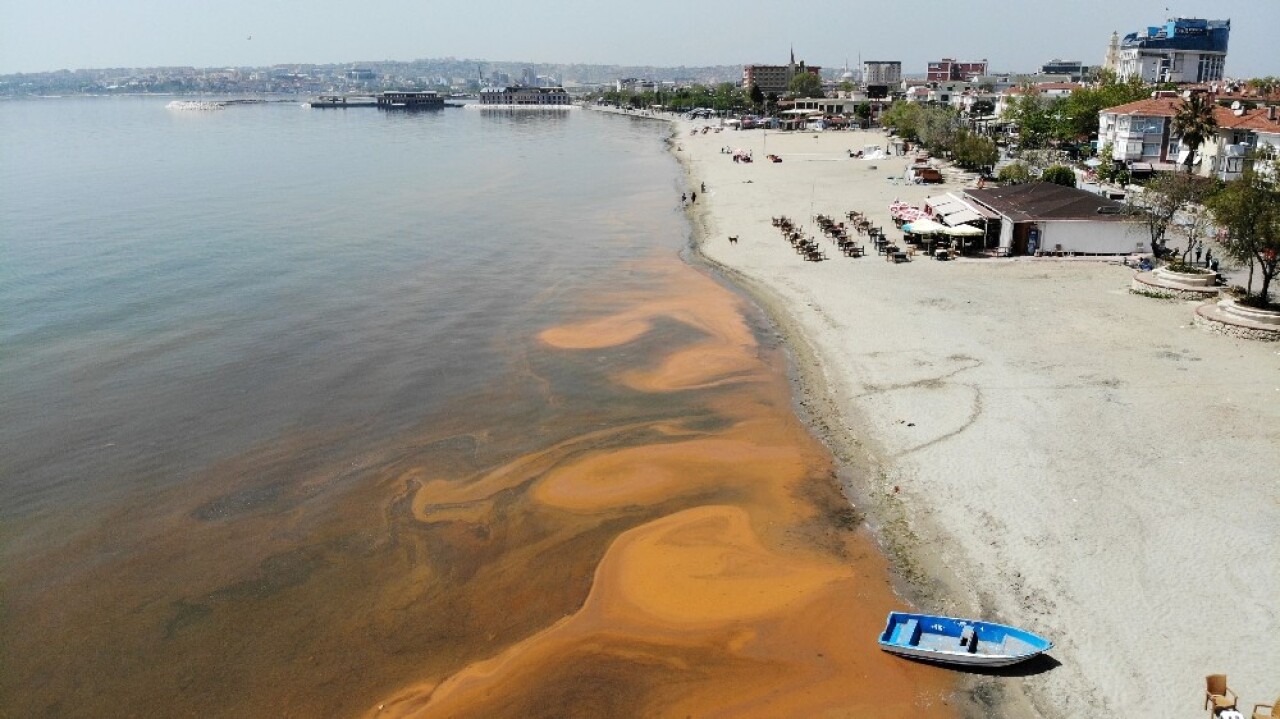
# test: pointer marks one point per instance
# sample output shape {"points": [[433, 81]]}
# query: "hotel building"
{"points": [[1181, 50], [775, 78]]}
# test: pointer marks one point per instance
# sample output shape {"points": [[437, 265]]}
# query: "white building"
{"points": [[1189, 50], [1044, 217], [882, 72]]}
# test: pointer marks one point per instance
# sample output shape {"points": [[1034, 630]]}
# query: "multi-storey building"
{"points": [[881, 72], [1181, 50], [1074, 69], [775, 78], [947, 69], [1141, 133]]}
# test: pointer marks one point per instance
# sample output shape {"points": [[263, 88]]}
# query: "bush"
{"points": [[1014, 173], [1186, 269], [1059, 175]]}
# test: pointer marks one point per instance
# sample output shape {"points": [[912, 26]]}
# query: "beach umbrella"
{"points": [[963, 231], [924, 227]]}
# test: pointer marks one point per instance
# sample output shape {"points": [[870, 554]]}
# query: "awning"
{"points": [[942, 204], [961, 216]]}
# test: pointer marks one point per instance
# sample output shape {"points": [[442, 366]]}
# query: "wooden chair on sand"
{"points": [[1218, 696], [1273, 713]]}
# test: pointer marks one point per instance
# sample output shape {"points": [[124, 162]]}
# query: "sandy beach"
{"points": [[1033, 443]]}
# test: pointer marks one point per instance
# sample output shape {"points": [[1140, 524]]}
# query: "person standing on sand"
{"points": [[683, 197], [1208, 256], [693, 197], [704, 188], [1199, 250]]}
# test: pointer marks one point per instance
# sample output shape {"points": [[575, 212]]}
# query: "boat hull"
{"points": [[971, 660], [965, 642]]}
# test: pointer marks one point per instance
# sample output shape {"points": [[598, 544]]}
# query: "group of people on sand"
{"points": [[692, 196]]}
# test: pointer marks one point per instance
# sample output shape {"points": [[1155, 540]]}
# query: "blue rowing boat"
{"points": [[959, 641]]}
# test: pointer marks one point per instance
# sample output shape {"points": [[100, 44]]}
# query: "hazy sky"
{"points": [[39, 35]]}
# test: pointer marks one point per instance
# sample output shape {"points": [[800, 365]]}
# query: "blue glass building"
{"points": [[1183, 50]]}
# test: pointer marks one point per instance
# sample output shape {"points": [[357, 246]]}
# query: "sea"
{"points": [[286, 393]]}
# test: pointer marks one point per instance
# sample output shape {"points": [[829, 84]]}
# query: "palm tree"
{"points": [[1195, 122]]}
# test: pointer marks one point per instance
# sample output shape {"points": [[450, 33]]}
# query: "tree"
{"points": [[1077, 119], [982, 107], [974, 151], [1195, 122], [1033, 117], [1015, 173], [757, 95], [904, 118], [1059, 175], [863, 111], [937, 128], [1160, 202], [805, 84], [1249, 209]]}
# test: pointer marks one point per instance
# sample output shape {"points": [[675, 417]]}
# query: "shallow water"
{"points": [[312, 412]]}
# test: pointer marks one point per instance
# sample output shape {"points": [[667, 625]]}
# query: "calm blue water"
{"points": [[179, 287]]}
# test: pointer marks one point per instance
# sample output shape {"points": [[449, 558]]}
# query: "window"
{"points": [[1150, 149]]}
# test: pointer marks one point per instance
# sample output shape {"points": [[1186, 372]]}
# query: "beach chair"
{"points": [[1217, 695], [1272, 713]]}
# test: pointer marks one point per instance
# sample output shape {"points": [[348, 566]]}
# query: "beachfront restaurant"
{"points": [[959, 215], [1048, 219]]}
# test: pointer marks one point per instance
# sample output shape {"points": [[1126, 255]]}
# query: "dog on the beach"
{"points": [[733, 239]]}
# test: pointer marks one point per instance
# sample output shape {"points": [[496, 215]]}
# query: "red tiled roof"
{"points": [[1149, 107], [1255, 119]]}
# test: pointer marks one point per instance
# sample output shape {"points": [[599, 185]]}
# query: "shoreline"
{"points": [[1047, 493], [859, 460]]}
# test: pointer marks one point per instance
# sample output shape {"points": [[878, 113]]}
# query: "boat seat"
{"points": [[908, 633]]}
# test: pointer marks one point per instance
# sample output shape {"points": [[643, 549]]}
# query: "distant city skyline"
{"points": [[1021, 36]]}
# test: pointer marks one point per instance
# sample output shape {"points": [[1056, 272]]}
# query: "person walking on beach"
{"points": [[693, 197], [704, 188], [683, 197]]}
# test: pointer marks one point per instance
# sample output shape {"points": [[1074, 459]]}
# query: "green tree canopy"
{"points": [[1249, 209], [1059, 175], [805, 84], [973, 151], [1015, 173], [904, 118], [1077, 119]]}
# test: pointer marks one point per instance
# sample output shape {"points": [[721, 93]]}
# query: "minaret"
{"points": [[1113, 53]]}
